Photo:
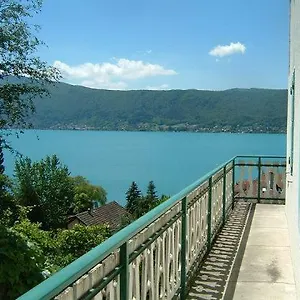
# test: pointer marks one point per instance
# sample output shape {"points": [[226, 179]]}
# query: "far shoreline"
{"points": [[145, 131]]}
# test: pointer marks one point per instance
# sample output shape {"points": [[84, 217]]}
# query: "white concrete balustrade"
{"points": [[156, 256], [155, 272]]}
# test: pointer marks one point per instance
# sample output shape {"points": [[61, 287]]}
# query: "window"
{"points": [[292, 92], [271, 180]]}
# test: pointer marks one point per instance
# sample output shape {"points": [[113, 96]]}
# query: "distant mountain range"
{"points": [[234, 110]]}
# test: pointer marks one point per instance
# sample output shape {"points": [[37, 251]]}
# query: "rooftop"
{"points": [[110, 214]]}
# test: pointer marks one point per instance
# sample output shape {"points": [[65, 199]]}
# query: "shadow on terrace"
{"points": [[189, 247]]}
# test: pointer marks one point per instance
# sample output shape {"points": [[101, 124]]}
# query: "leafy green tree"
{"points": [[86, 194], [8, 205], [75, 242], [25, 187], [61, 247], [47, 187], [44, 240], [23, 75], [33, 233], [125, 221], [21, 264], [2, 168], [133, 199], [163, 198]]}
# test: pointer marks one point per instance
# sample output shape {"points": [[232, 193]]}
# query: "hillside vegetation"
{"points": [[235, 110]]}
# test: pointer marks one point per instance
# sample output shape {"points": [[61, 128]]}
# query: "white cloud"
{"points": [[111, 75], [225, 50], [160, 87], [104, 84]]}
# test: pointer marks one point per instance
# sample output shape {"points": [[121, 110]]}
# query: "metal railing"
{"points": [[260, 178], [155, 256]]}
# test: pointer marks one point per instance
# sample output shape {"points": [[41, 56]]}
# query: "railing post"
{"points": [[183, 248], [124, 274], [224, 195], [209, 213], [233, 183], [258, 184]]}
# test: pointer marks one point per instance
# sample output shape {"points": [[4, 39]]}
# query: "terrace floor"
{"points": [[250, 259]]}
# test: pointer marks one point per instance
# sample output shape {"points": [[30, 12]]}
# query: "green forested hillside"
{"points": [[235, 110]]}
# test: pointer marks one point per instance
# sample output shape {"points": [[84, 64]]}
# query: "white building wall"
{"points": [[293, 180]]}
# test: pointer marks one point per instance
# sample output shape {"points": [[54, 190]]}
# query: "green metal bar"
{"points": [[228, 210], [224, 195], [193, 201], [209, 214], [261, 156], [283, 165], [233, 183], [183, 248], [258, 185], [124, 274], [97, 289], [153, 237], [261, 198]]}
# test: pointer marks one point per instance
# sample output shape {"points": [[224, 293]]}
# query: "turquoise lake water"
{"points": [[115, 159]]}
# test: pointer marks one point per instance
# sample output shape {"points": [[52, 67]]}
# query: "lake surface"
{"points": [[115, 159]]}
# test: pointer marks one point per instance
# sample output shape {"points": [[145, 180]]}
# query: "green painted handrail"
{"points": [[260, 156], [68, 275]]}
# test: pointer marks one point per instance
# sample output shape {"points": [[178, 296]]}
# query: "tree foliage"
{"points": [[151, 198], [23, 75], [20, 264], [47, 187], [133, 199], [163, 198], [75, 242], [63, 246], [33, 233], [138, 205], [51, 250], [233, 110], [38, 253], [86, 194], [8, 205]]}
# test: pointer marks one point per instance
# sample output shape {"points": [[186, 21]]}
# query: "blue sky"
{"points": [[167, 44]]}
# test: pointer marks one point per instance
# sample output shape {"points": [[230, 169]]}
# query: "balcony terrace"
{"points": [[249, 262], [223, 237]]}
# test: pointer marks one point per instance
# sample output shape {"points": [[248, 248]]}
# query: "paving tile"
{"points": [[272, 221], [269, 209], [261, 236], [264, 268], [267, 264], [264, 291]]}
